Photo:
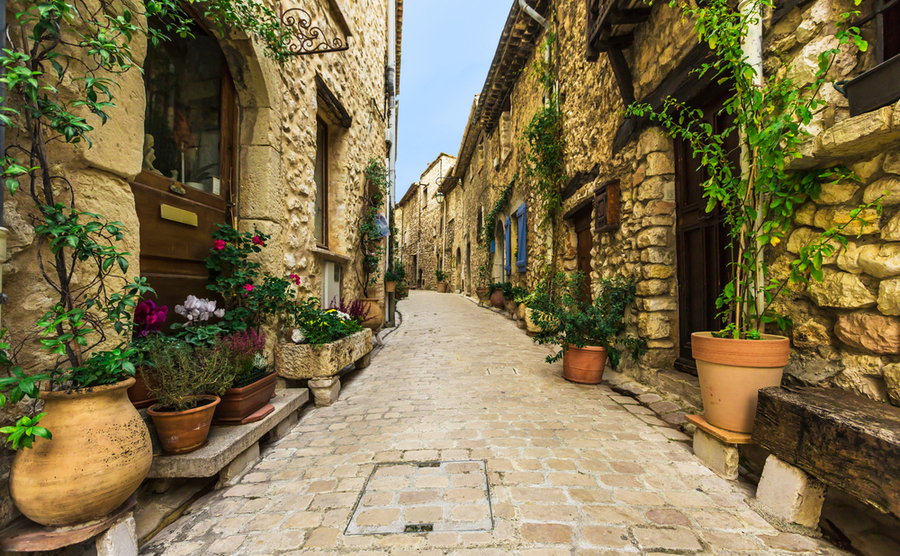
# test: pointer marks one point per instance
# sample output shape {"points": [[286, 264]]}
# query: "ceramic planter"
{"points": [[375, 317], [238, 404], [139, 394], [482, 294], [731, 374], [442, 287], [497, 299], [390, 286], [99, 454], [181, 432], [584, 365]]}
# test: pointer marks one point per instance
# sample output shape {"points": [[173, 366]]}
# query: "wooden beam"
{"points": [[846, 441], [629, 17], [617, 42], [620, 68]]}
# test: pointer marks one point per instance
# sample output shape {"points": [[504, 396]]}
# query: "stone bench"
{"points": [[322, 364], [229, 450], [825, 437]]}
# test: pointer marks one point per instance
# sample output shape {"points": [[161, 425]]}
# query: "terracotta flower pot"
{"points": [[99, 454], [584, 365], [239, 403], [497, 299], [139, 394], [482, 294], [390, 286], [731, 374], [442, 287], [375, 317], [181, 432]]}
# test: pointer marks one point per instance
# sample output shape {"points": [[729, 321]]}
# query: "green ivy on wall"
{"points": [[490, 221]]}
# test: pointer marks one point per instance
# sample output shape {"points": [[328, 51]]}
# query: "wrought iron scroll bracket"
{"points": [[306, 38]]}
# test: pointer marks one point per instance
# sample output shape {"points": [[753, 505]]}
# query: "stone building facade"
{"points": [[420, 224], [845, 331], [263, 141]]}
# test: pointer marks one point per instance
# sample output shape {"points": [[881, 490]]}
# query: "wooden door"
{"points": [[582, 222], [178, 213], [702, 244]]}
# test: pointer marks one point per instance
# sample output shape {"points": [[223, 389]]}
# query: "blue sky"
{"points": [[448, 46]]}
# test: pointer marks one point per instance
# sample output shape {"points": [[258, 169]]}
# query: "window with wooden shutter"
{"points": [[522, 259], [606, 207]]}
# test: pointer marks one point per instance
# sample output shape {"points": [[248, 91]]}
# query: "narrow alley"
{"points": [[571, 469]]}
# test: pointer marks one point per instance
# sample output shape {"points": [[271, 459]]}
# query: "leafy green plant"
{"points": [[544, 152], [769, 115], [440, 275], [316, 326], [370, 229], [396, 273], [502, 203], [251, 297], [568, 318]]}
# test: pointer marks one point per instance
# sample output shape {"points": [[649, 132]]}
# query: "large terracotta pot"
{"points": [[181, 432], [497, 299], [375, 317], [99, 454], [731, 374], [139, 394], [584, 365], [239, 403], [390, 286], [442, 287]]}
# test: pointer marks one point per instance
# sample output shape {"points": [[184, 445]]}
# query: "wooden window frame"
{"points": [[325, 189], [607, 207]]}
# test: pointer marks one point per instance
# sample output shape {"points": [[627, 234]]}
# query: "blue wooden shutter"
{"points": [[493, 245], [522, 259], [507, 265]]}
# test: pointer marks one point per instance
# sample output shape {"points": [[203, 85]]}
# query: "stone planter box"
{"points": [[321, 364]]}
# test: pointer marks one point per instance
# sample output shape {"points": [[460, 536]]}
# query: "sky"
{"points": [[448, 46]]}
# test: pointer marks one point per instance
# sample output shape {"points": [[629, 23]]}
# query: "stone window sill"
{"points": [[329, 255]]}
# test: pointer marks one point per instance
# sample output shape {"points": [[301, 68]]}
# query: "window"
{"points": [[479, 221], [321, 178], [425, 195], [606, 207]]}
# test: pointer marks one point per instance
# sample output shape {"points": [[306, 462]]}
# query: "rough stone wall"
{"points": [[422, 222]]}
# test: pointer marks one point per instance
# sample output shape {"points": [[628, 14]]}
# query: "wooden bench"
{"points": [[827, 437]]}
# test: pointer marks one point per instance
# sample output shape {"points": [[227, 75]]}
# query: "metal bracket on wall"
{"points": [[306, 38]]}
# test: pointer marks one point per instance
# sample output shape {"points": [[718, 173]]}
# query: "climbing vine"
{"points": [[544, 152], [371, 224], [490, 221]]}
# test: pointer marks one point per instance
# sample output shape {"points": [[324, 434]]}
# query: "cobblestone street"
{"points": [[571, 469]]}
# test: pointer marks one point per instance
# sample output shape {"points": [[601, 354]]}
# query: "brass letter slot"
{"points": [[175, 214]]}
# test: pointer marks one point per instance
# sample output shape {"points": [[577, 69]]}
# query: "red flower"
{"points": [[258, 241], [249, 288], [220, 244], [295, 279]]}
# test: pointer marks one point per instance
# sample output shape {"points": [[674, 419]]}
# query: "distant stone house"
{"points": [[420, 217], [632, 204]]}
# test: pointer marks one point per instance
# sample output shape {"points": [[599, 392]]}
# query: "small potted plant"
{"points": [[441, 278], [511, 296], [394, 275], [247, 400], [187, 381], [495, 291], [587, 332], [484, 277]]}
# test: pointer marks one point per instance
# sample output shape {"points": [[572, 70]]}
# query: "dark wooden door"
{"points": [[582, 222], [178, 213], [702, 244]]}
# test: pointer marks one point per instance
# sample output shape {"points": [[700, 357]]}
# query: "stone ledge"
{"points": [[329, 255], [224, 443]]}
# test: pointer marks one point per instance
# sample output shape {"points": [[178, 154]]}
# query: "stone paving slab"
{"points": [[573, 470]]}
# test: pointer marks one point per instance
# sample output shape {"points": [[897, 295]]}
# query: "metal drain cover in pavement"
{"points": [[426, 496]]}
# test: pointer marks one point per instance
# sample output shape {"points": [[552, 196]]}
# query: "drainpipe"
{"points": [[523, 5], [752, 49]]}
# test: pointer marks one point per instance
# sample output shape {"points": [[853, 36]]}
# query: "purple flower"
{"points": [[149, 317]]}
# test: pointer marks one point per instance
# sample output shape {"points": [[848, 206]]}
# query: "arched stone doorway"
{"points": [[457, 278], [467, 285], [499, 250]]}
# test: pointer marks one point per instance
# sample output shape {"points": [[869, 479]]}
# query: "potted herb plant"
{"points": [[759, 200], [441, 278], [187, 381], [247, 400], [587, 332], [394, 275]]}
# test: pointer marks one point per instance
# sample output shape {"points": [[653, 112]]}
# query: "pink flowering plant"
{"points": [[250, 296]]}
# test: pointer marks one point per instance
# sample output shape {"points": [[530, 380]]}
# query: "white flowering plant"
{"points": [[198, 331]]}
